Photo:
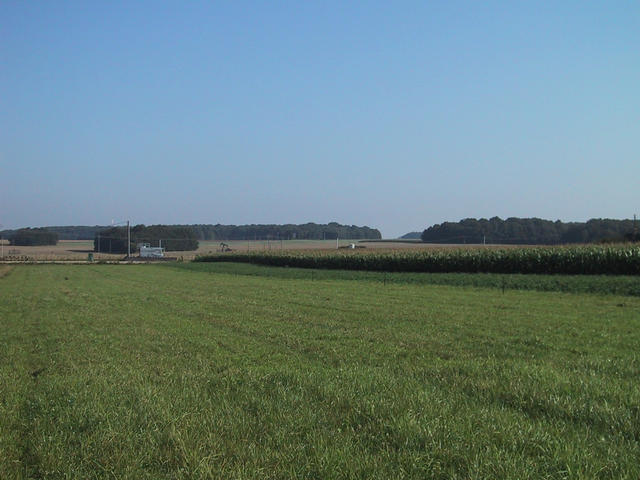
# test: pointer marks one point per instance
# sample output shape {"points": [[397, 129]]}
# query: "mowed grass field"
{"points": [[168, 371]]}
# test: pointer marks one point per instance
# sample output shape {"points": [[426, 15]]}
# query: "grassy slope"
{"points": [[148, 371]]}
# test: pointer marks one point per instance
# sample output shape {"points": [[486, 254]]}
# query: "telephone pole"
{"points": [[128, 236]]}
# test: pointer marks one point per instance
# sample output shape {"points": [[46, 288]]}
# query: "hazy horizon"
{"points": [[394, 116]]}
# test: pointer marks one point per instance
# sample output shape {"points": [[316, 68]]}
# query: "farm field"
{"points": [[78, 249], [627, 285], [197, 371], [65, 250], [213, 246], [618, 259]]}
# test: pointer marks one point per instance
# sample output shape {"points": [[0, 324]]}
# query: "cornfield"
{"points": [[582, 260]]}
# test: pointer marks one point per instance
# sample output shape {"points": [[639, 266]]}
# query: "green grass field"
{"points": [[604, 284], [174, 371]]}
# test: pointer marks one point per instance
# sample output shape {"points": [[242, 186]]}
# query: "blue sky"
{"points": [[396, 115]]}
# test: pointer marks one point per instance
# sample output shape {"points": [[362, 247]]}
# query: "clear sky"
{"points": [[395, 115]]}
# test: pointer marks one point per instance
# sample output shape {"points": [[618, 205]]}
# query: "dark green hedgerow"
{"points": [[591, 260]]}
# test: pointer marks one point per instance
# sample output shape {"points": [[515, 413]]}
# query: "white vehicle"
{"points": [[147, 251]]}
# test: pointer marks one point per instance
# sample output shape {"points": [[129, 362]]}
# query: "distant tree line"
{"points": [[71, 232], [307, 231], [33, 237], [530, 231], [171, 238], [77, 232], [411, 236]]}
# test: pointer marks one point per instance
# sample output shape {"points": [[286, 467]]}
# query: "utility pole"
{"points": [[128, 236]]}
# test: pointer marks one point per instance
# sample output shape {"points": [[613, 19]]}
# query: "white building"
{"points": [[147, 251]]}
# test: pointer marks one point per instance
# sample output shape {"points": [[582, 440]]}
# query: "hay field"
{"points": [[213, 246], [78, 250], [187, 371], [64, 250]]}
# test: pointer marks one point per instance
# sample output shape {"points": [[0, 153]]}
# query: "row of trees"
{"points": [[70, 232], [173, 238], [307, 231], [33, 237], [529, 231], [76, 232]]}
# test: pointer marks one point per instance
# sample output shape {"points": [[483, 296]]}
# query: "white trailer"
{"points": [[147, 251]]}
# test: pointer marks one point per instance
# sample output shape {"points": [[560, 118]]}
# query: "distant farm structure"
{"points": [[147, 251]]}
